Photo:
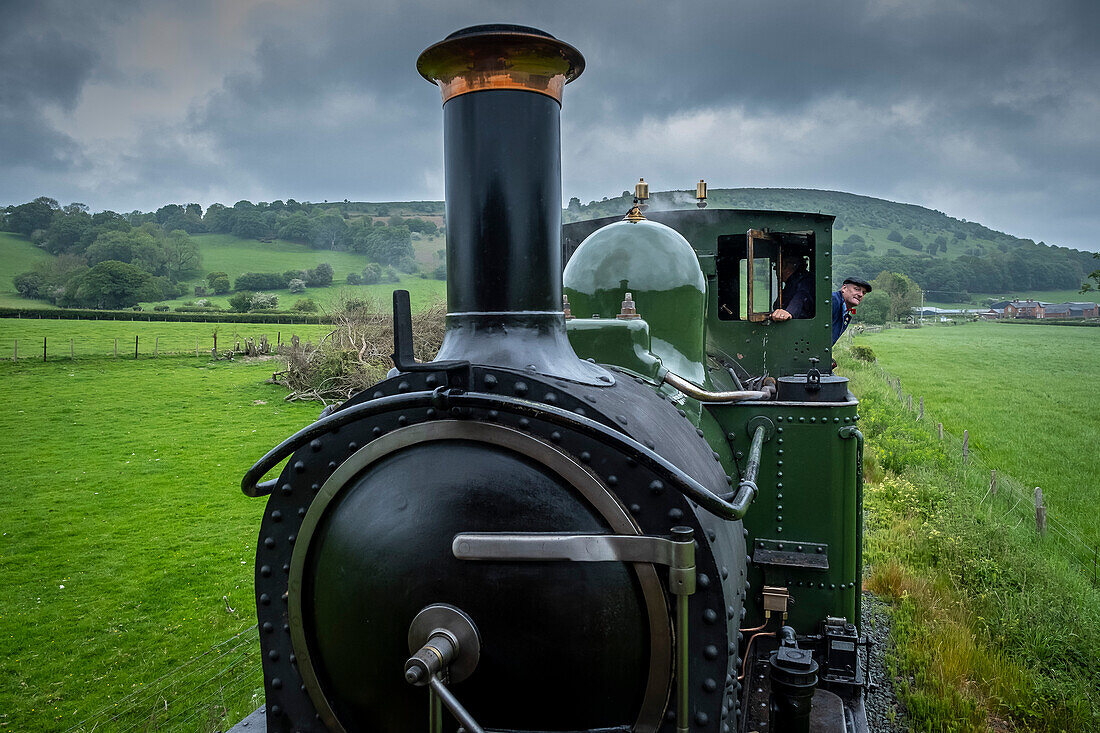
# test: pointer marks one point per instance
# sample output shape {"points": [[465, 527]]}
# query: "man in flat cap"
{"points": [[845, 301]]}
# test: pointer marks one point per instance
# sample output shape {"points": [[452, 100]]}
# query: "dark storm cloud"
{"points": [[48, 51], [983, 109]]}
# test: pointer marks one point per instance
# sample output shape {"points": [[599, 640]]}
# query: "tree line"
{"points": [[1027, 266], [113, 260], [103, 260]]}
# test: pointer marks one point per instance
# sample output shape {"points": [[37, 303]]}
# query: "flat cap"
{"points": [[858, 281]]}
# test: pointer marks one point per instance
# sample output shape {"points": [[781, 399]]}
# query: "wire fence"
{"points": [[156, 345], [1007, 497], [209, 692]]}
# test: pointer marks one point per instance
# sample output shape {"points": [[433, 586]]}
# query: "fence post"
{"points": [[1040, 513], [15, 354], [993, 482], [921, 415], [909, 404], [939, 426], [72, 350], [43, 348], [966, 446], [135, 347]]}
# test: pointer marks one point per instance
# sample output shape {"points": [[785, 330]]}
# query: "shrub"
{"points": [[260, 281], [320, 276], [407, 265], [220, 285], [912, 243], [241, 302], [304, 305], [137, 308], [296, 286], [201, 290], [263, 301], [390, 275], [863, 353], [161, 308], [372, 274], [354, 278], [894, 236]]}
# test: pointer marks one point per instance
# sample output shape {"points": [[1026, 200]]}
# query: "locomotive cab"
{"points": [[804, 528]]}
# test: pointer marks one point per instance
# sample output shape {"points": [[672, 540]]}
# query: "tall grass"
{"points": [[993, 626]]}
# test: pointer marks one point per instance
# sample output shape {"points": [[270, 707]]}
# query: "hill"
{"points": [[955, 261]]}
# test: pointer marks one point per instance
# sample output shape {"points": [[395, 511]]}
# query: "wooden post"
{"points": [[921, 415], [15, 354], [939, 426], [72, 350], [43, 348], [966, 446], [135, 347], [1040, 513], [909, 405], [279, 339], [993, 482], [215, 344]]}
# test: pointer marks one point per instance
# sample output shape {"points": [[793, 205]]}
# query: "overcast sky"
{"points": [[986, 110]]}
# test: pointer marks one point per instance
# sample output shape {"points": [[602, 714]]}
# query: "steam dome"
{"points": [[659, 268]]}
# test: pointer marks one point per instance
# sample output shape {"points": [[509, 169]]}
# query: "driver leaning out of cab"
{"points": [[796, 294]]}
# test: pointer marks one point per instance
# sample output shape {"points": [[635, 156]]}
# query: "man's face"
{"points": [[789, 267], [852, 294]]}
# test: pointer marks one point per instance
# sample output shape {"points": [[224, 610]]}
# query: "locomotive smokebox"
{"points": [[502, 88]]}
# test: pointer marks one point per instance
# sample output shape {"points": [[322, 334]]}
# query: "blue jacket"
{"points": [[841, 316], [797, 297]]}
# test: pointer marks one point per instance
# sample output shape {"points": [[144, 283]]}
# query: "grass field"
{"points": [[1027, 394], [995, 628], [17, 255], [126, 546], [97, 338]]}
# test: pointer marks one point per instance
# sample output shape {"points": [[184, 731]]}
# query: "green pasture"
{"points": [[98, 338], [126, 546], [17, 255], [995, 627], [423, 292], [1027, 394], [1046, 296]]}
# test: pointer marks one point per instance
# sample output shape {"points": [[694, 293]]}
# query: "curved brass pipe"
{"points": [[698, 393]]}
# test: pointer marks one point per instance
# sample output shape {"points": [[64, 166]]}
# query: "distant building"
{"points": [[1060, 311], [1024, 309]]}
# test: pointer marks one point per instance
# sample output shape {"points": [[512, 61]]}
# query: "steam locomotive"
{"points": [[619, 499]]}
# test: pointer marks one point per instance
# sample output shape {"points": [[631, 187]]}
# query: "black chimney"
{"points": [[502, 88]]}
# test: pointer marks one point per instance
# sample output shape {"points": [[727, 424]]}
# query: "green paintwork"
{"points": [[776, 349], [625, 343], [808, 479], [660, 269], [807, 494]]}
